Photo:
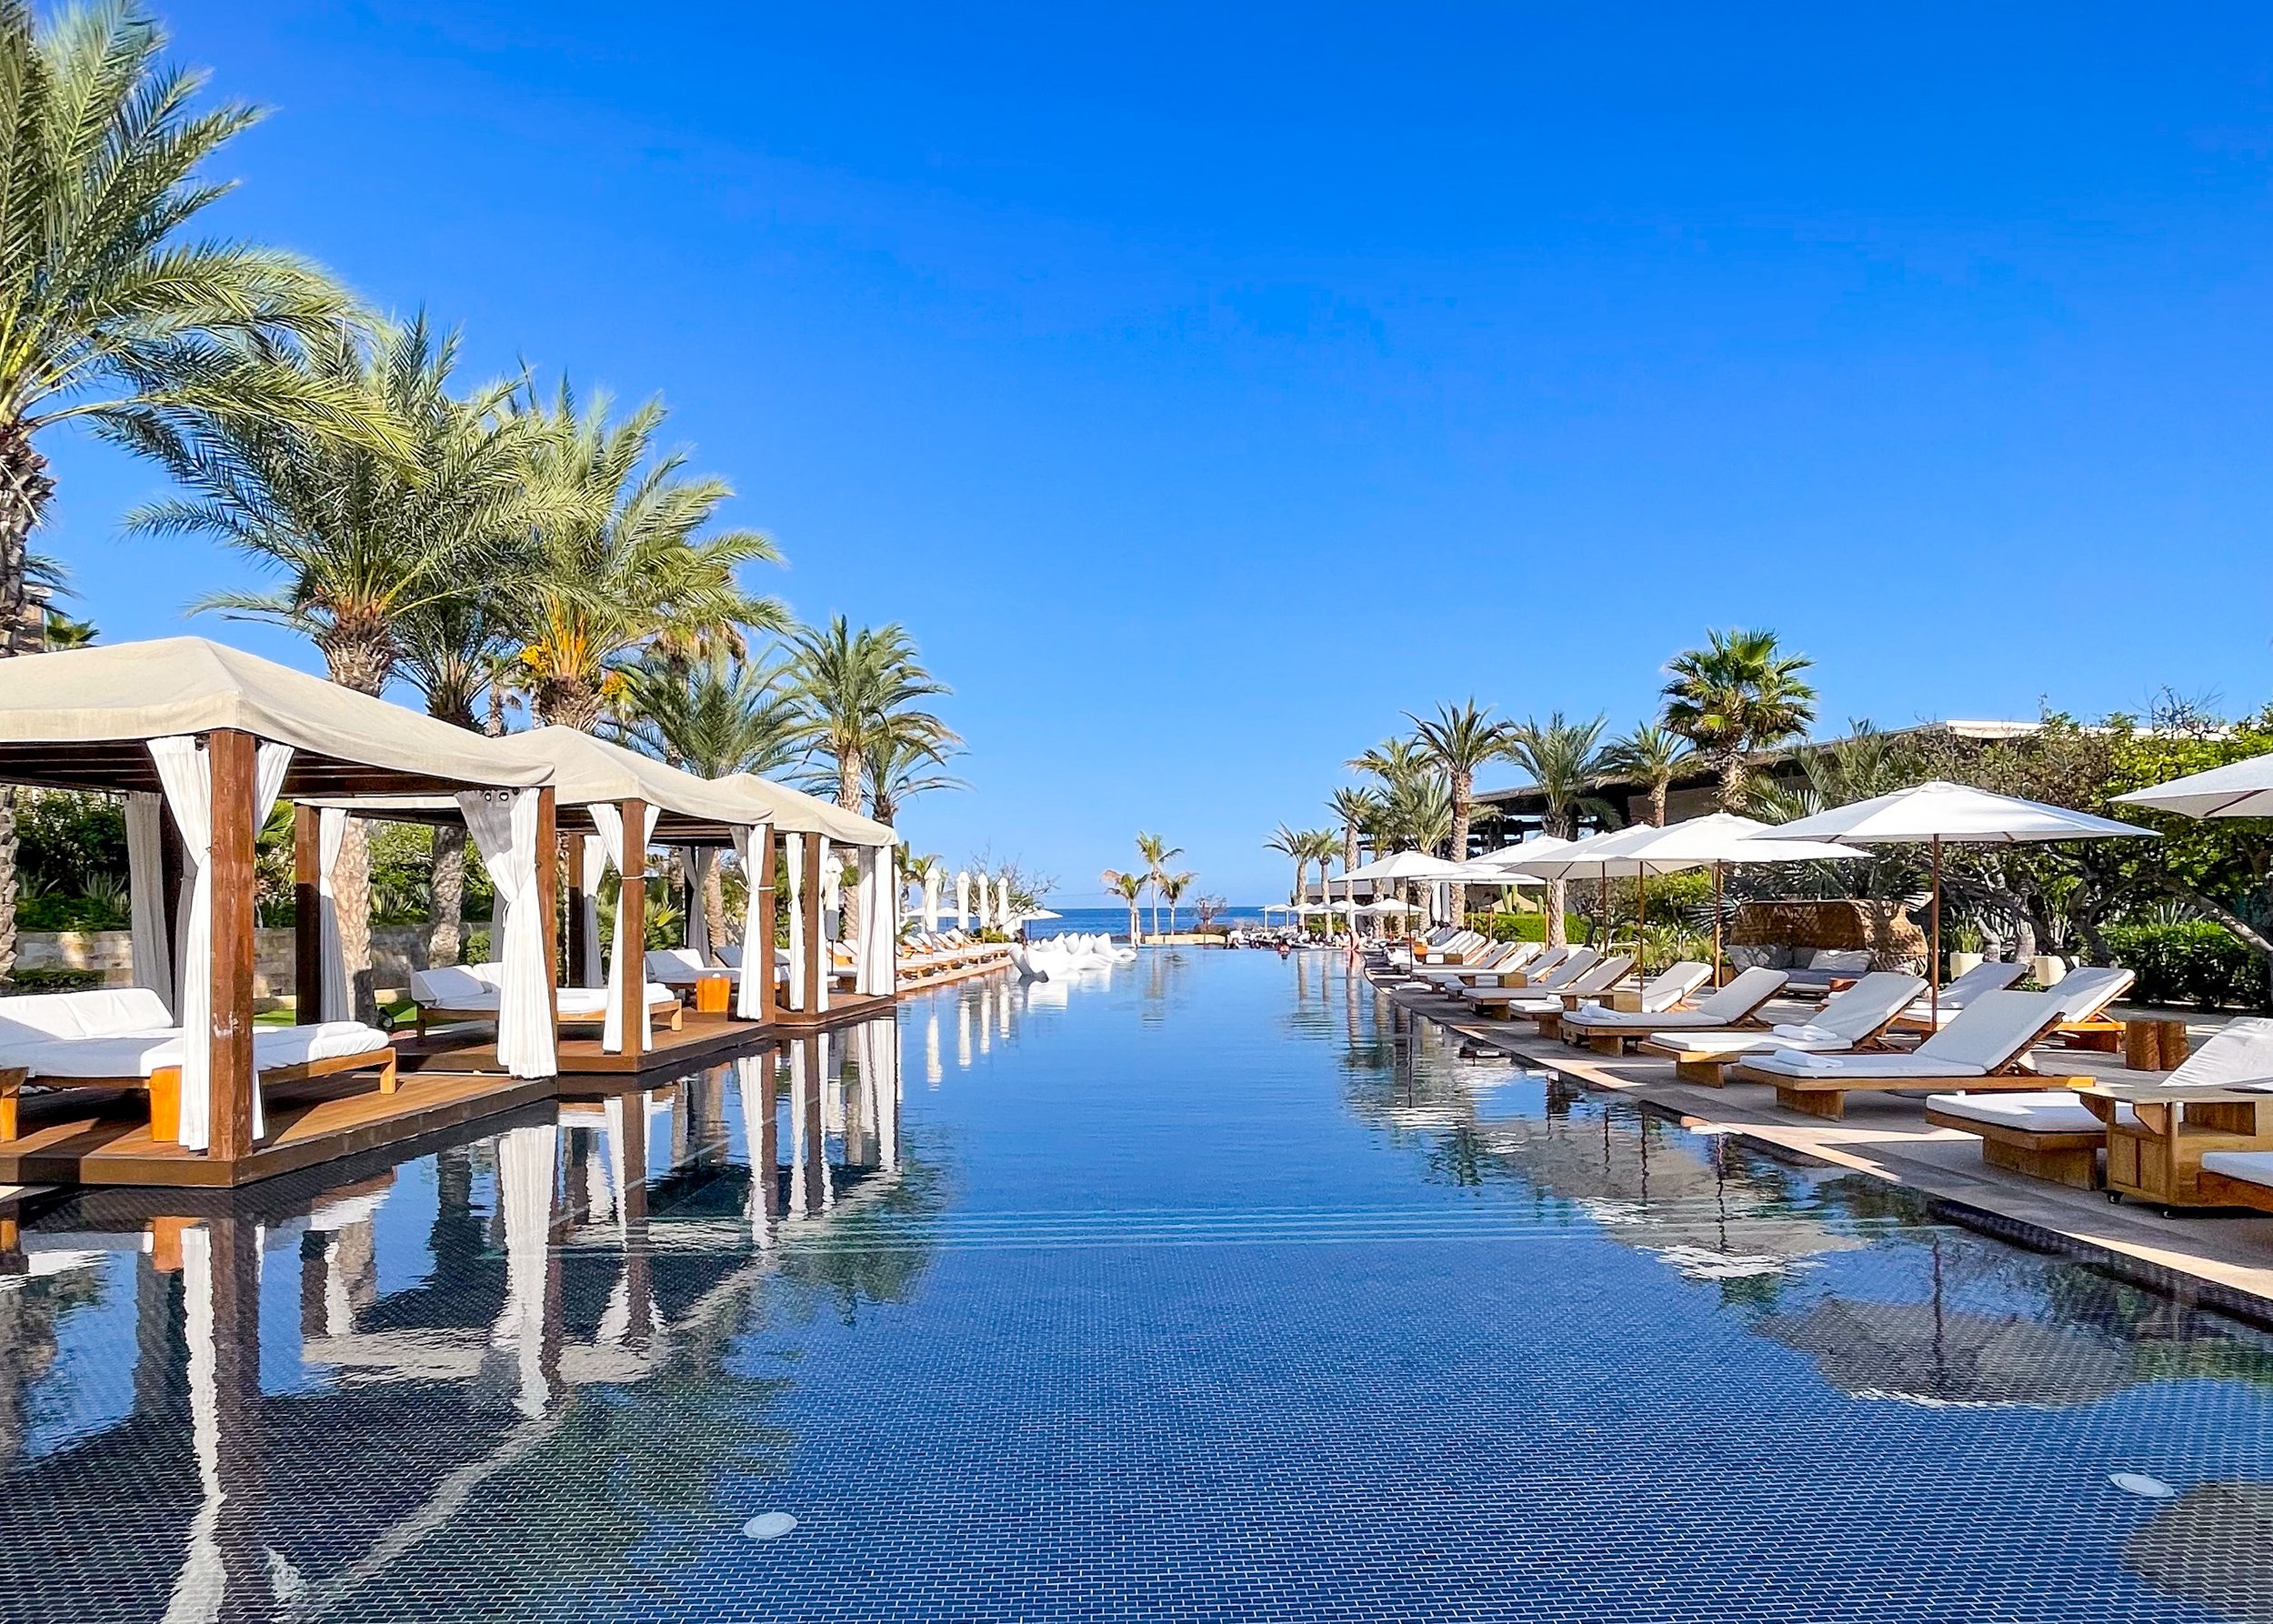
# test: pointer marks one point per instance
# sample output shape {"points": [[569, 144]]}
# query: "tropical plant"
{"points": [[861, 695], [1356, 809], [1292, 843], [1651, 756], [899, 770], [1564, 759], [1156, 851], [111, 305], [1738, 694], [622, 562], [1394, 761], [1319, 846], [1130, 888], [1172, 889], [1458, 740]]}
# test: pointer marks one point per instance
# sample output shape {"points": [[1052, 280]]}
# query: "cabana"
{"points": [[202, 740]]}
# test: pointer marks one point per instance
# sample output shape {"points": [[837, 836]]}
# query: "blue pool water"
{"points": [[1209, 1289]]}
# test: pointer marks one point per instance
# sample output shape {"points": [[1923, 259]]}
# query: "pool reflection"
{"points": [[338, 1380]]}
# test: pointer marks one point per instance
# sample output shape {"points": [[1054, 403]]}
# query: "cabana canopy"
{"points": [[794, 812], [79, 719]]}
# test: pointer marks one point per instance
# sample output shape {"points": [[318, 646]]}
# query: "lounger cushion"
{"points": [[2048, 1110], [684, 967], [100, 1012], [273, 1046], [2251, 1166], [1730, 1043], [1735, 1001], [454, 987], [1988, 977], [2239, 1054], [1993, 1033], [2085, 994], [1840, 961]]}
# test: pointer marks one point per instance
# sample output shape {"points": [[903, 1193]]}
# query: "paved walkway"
{"points": [[1887, 1136]]}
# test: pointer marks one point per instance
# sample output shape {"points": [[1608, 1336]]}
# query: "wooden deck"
{"points": [[103, 1137], [700, 1040]]}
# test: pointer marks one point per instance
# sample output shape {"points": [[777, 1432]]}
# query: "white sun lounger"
{"points": [[472, 992], [1608, 1031], [1597, 977], [1576, 962], [1854, 1019], [123, 1038], [1983, 1048], [681, 967], [1990, 976], [1503, 958], [2052, 1134]]}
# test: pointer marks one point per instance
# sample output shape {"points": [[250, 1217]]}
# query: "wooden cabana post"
{"points": [[577, 970], [631, 907], [308, 918], [230, 756], [814, 971]]}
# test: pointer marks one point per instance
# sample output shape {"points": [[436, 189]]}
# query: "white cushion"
{"points": [[2085, 994], [1993, 1030], [1840, 961], [1865, 1006], [730, 957], [328, 1040], [2240, 1055], [453, 986], [2251, 1166], [1730, 1043], [139, 1056], [97, 1012], [1794, 1062], [1735, 1001], [1989, 976], [2047, 1110]]}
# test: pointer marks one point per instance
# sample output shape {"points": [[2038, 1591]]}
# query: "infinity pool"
{"points": [[1213, 1288]]}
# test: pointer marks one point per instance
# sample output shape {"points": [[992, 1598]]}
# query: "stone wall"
{"points": [[395, 951]]}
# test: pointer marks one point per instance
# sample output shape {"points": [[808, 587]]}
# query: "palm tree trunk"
{"points": [[1732, 781], [360, 663], [444, 935], [1462, 790], [1557, 899], [26, 490], [715, 903], [1657, 805]]}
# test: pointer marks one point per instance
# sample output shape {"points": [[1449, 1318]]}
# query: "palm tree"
{"points": [[1130, 889], [1173, 887], [1319, 845], [1393, 761], [860, 695], [112, 306], [1738, 694], [1650, 755], [368, 544], [899, 770], [1563, 759], [720, 716], [1157, 851], [1356, 809], [1458, 740], [620, 564], [1291, 843]]}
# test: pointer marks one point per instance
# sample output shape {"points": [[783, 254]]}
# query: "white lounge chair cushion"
{"points": [[1739, 999], [2251, 1166], [2085, 994], [139, 1056], [1730, 1043], [590, 1003], [1989, 976], [1809, 1037], [2048, 1110], [684, 967], [2238, 1055], [1991, 1033], [98, 1012], [454, 986]]}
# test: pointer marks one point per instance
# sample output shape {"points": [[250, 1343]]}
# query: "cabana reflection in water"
{"points": [[1220, 1289]]}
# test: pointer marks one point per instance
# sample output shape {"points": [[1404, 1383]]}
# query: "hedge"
{"points": [[2196, 962], [1525, 927]]}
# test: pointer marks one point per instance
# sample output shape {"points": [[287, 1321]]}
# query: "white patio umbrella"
{"points": [[931, 901], [1386, 906], [2238, 789], [1713, 842], [1932, 812], [962, 899]]}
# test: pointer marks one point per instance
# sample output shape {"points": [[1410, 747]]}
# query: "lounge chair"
{"points": [[1528, 964], [1503, 956], [1460, 946], [1546, 1008], [679, 968], [1986, 1048], [1608, 1031], [2053, 1133], [472, 992], [2236, 1178], [1576, 962], [2086, 996], [1856, 1019], [123, 1038], [1989, 976]]}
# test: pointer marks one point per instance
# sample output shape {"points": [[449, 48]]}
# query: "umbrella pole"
{"points": [[1717, 869], [1641, 918], [1933, 914]]}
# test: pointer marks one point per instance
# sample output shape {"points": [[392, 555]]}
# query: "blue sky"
{"points": [[1204, 389]]}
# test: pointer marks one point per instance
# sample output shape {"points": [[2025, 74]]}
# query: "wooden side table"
{"points": [[2157, 1155], [2153, 1043], [714, 995]]}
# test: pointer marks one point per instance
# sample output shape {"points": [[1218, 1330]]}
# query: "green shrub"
{"points": [[2194, 962], [1524, 927], [54, 980]]}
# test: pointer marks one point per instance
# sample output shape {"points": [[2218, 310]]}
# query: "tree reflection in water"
{"points": [[558, 1402]]}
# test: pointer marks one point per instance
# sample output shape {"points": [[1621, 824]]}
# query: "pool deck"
{"points": [[1887, 1136]]}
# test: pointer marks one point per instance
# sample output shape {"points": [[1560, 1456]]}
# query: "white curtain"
{"points": [[696, 935], [145, 887], [588, 916], [750, 1076], [832, 873], [962, 900], [203, 1581], [865, 891], [793, 853], [186, 775], [627, 969], [931, 901], [525, 1160], [332, 1000], [758, 957], [503, 823], [879, 933], [799, 1127], [832, 884]]}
